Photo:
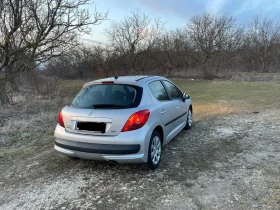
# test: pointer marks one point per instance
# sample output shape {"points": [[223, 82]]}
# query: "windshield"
{"points": [[116, 96]]}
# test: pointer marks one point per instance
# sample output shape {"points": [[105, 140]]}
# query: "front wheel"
{"points": [[154, 152], [189, 120]]}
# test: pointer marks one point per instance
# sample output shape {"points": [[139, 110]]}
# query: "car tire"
{"points": [[154, 152], [189, 120]]}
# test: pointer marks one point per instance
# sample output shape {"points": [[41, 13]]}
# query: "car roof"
{"points": [[122, 80]]}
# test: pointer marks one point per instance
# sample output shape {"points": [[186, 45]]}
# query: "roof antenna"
{"points": [[116, 77]]}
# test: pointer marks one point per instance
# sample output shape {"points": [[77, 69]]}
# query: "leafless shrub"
{"points": [[34, 84], [49, 88]]}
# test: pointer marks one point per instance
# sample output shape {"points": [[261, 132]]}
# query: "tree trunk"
{"points": [[169, 72], [4, 99], [263, 65], [208, 74], [14, 84]]}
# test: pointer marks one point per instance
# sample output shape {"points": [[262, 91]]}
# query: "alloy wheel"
{"points": [[156, 150]]}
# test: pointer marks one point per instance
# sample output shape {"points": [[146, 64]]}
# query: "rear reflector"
{"points": [[136, 121], [60, 120], [108, 82]]}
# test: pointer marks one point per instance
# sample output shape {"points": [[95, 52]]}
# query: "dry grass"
{"points": [[255, 77], [215, 98], [25, 126], [202, 111], [27, 123]]}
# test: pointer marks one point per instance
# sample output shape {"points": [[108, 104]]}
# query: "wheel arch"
{"points": [[159, 129]]}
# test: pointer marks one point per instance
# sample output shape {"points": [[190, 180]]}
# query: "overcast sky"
{"points": [[177, 12]]}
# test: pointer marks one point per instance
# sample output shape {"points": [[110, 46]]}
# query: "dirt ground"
{"points": [[228, 162]]}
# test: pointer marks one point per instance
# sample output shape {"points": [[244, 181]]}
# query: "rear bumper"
{"points": [[126, 147], [134, 158], [114, 149]]}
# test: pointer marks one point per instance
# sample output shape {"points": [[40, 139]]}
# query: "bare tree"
{"points": [[83, 61], [145, 62], [263, 35], [107, 60], [132, 36], [172, 46], [275, 53], [166, 56], [32, 32], [210, 35], [182, 48]]}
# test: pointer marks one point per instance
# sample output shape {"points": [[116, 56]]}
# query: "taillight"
{"points": [[60, 120], [136, 121]]}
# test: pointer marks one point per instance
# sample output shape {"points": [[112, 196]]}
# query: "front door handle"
{"points": [[163, 111], [177, 106]]}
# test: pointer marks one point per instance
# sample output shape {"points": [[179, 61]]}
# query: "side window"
{"points": [[158, 91], [173, 90]]}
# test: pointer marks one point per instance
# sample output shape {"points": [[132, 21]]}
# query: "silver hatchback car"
{"points": [[123, 120]]}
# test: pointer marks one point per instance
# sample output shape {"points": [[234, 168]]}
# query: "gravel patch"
{"points": [[231, 162]]}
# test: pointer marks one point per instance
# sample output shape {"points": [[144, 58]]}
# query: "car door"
{"points": [[181, 108], [165, 106]]}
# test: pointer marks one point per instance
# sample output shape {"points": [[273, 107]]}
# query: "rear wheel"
{"points": [[154, 152], [189, 120]]}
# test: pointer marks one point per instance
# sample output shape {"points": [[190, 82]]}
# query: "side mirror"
{"points": [[186, 96]]}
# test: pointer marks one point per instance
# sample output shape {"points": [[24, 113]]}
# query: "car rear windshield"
{"points": [[116, 96]]}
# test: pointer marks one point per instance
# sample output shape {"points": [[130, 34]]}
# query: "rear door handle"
{"points": [[177, 106], [163, 111]]}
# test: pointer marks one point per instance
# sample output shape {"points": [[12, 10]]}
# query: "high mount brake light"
{"points": [[136, 120], [108, 82], [60, 120]]}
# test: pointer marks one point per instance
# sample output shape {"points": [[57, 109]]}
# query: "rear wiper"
{"points": [[107, 106]]}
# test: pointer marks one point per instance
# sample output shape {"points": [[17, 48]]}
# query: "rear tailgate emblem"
{"points": [[89, 114]]}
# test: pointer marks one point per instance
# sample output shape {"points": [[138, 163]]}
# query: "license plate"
{"points": [[91, 126]]}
